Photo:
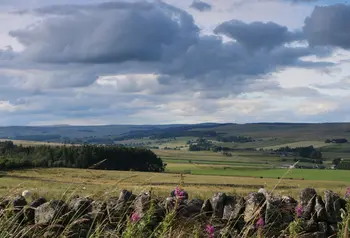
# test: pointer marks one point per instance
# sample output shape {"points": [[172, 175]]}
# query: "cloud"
{"points": [[149, 62], [258, 35], [7, 53], [108, 33], [303, 1], [342, 84], [316, 108], [201, 6], [84, 42], [214, 64], [328, 26]]}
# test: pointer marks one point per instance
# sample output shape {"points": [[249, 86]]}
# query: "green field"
{"points": [[316, 144], [245, 171], [206, 171], [50, 182], [178, 142]]}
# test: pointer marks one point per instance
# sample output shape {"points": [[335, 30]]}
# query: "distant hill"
{"points": [[62, 133], [109, 133]]}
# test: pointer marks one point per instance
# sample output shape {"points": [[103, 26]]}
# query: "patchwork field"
{"points": [[204, 172], [50, 182], [316, 144]]}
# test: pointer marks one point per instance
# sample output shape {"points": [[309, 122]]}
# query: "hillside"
{"points": [[262, 135], [288, 131], [79, 134]]}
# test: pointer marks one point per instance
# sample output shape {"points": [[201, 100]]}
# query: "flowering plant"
{"points": [[135, 217], [210, 230]]}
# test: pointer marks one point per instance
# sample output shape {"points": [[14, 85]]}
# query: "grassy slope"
{"points": [[161, 143], [298, 132], [253, 164], [275, 134], [32, 143], [316, 144], [202, 156], [56, 181]]}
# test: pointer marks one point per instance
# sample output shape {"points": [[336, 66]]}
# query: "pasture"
{"points": [[32, 143], [316, 144], [204, 172], [61, 181]]}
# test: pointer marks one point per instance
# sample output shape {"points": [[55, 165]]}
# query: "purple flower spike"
{"points": [[135, 217], [177, 191], [260, 223], [347, 193], [299, 211], [210, 230]]}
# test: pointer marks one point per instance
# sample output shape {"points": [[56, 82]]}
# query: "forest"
{"points": [[110, 157]]}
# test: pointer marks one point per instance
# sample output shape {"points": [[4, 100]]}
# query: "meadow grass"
{"points": [[56, 180], [316, 144], [209, 172], [237, 156], [65, 183], [31, 143], [161, 143], [259, 171], [206, 167]]}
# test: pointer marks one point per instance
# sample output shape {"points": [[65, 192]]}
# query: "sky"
{"points": [[97, 62]]}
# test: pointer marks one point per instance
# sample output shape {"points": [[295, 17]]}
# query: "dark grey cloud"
{"points": [[77, 43], [258, 35], [214, 62], [87, 41], [329, 26], [201, 6], [54, 79], [108, 33]]}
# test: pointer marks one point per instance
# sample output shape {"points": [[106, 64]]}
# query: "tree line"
{"points": [[306, 152], [236, 139], [110, 157]]}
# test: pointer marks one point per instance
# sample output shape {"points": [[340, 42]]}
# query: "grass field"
{"points": [[178, 142], [210, 172], [287, 131], [316, 144], [31, 143], [244, 171], [50, 182], [241, 156]]}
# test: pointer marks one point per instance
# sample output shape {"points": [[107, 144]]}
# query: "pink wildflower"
{"points": [[210, 230], [260, 223], [299, 210], [347, 193], [182, 193], [179, 193], [135, 217]]}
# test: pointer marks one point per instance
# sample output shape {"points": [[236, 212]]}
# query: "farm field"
{"points": [[316, 144], [50, 182], [258, 159], [31, 143], [204, 172], [291, 132], [178, 142], [244, 171], [241, 156]]}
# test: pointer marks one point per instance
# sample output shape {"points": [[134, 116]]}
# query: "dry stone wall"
{"points": [[226, 215]]}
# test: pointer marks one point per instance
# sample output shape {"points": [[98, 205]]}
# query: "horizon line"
{"points": [[174, 124]]}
